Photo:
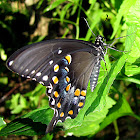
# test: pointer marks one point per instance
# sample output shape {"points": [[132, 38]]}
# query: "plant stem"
{"points": [[77, 21], [116, 130]]}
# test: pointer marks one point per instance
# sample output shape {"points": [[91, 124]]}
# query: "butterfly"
{"points": [[65, 67]]}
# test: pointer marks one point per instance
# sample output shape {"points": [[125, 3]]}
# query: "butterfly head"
{"points": [[99, 44], [99, 40]]}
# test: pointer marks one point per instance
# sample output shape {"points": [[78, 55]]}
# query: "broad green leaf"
{"points": [[106, 84], [91, 122], [33, 123], [43, 115], [124, 8], [121, 108], [23, 127], [132, 66], [130, 39], [133, 20]]}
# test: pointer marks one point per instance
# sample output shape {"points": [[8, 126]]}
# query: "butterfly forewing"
{"points": [[64, 67]]}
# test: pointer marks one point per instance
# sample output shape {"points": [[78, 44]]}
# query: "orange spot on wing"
{"points": [[67, 69], [80, 104], [77, 92], [67, 79], [70, 112], [56, 94], [56, 68], [83, 92], [68, 87], [62, 114], [55, 80], [59, 105], [68, 58]]}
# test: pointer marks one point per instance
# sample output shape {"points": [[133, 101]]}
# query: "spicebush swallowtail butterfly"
{"points": [[65, 67]]}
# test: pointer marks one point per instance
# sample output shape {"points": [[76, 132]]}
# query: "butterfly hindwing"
{"points": [[69, 95]]}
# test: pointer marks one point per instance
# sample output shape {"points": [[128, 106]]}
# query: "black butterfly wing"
{"points": [[71, 95], [64, 67]]}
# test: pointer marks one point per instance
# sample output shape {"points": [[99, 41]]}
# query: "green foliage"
{"points": [[101, 107], [30, 100], [30, 124], [2, 53], [2, 123], [3, 80]]}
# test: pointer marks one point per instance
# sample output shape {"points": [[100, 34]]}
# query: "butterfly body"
{"points": [[64, 66]]}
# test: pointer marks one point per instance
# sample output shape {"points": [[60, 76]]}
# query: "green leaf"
{"points": [[47, 137], [130, 38], [75, 6], [131, 70], [23, 127], [17, 103], [124, 8], [106, 84], [3, 55], [14, 100], [2, 123], [64, 11], [34, 96], [4, 80], [39, 4], [33, 123], [133, 21], [132, 80], [132, 66], [53, 5], [122, 108], [91, 122], [43, 115]]}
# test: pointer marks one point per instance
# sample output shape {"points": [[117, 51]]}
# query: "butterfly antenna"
{"points": [[112, 44], [88, 26], [108, 46]]}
